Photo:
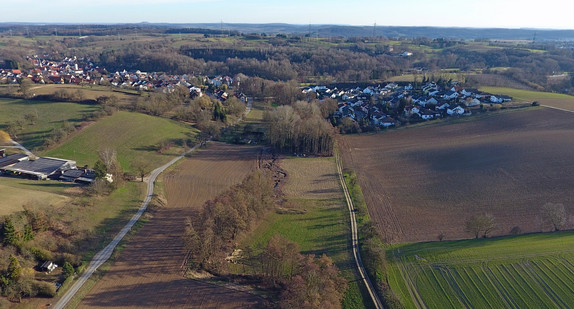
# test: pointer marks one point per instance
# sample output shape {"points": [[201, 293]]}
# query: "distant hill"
{"points": [[313, 30], [394, 32]]}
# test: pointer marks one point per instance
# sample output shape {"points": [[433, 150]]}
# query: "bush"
{"points": [[41, 254], [44, 289], [516, 230], [67, 270]]}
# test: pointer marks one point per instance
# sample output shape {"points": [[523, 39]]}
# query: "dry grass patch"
{"points": [[14, 198], [311, 178]]}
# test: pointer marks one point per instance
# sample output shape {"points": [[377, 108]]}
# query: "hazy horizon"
{"points": [[506, 14]]}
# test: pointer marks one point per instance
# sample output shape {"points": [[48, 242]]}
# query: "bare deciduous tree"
{"points": [[141, 166], [481, 225], [554, 214]]}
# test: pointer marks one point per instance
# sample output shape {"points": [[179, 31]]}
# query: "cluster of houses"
{"points": [[21, 165], [384, 106], [80, 71]]}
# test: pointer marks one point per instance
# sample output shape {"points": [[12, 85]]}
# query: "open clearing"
{"points": [[149, 272], [421, 182], [491, 273]]}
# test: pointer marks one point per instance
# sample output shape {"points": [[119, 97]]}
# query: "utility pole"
{"points": [[375, 30]]}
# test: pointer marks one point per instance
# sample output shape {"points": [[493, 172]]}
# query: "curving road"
{"points": [[355, 239], [102, 256]]}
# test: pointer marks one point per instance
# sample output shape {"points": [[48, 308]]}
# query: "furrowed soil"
{"points": [[421, 182], [149, 273]]}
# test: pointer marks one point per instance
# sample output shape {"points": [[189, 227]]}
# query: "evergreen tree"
{"points": [[9, 233], [14, 269]]}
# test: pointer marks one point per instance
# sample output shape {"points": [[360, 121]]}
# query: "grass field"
{"points": [[323, 227], [51, 115], [130, 134], [16, 192], [125, 97], [530, 271], [419, 183], [544, 98]]}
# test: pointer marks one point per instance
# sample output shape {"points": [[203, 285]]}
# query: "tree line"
{"points": [[304, 280], [302, 127], [225, 218]]}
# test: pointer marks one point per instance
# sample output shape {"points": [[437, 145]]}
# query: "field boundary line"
{"points": [[558, 108], [355, 238], [102, 256]]}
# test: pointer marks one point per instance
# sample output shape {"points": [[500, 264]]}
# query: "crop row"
{"points": [[537, 283]]}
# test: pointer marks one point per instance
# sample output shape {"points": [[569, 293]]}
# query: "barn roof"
{"points": [[42, 166], [11, 159]]}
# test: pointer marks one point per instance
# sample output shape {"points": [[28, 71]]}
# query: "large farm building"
{"points": [[21, 165]]}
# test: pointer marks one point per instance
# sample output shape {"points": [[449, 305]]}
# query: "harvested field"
{"points": [[313, 178], [209, 173], [149, 272], [419, 183]]}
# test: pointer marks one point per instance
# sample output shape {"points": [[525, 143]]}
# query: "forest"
{"points": [[299, 57]]}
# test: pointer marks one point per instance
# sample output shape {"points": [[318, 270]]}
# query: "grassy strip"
{"points": [[526, 95], [321, 229], [362, 212], [319, 226], [371, 246]]}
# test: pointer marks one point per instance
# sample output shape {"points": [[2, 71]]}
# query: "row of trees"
{"points": [[305, 281], [302, 127], [553, 215], [225, 218]]}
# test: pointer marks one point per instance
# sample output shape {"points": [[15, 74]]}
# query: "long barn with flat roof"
{"points": [[41, 168]]}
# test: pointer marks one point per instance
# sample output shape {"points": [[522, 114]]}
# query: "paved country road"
{"points": [[102, 256], [355, 239]]}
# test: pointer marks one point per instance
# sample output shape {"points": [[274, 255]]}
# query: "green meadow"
{"points": [[529, 271], [51, 116], [131, 135]]}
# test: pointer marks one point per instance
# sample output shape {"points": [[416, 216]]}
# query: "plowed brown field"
{"points": [[421, 182], [149, 272]]}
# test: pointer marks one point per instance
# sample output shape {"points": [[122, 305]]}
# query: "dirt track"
{"points": [[421, 182], [148, 273]]}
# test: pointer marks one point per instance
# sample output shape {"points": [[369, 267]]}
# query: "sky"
{"points": [[551, 14]]}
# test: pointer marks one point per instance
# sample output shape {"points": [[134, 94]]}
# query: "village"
{"points": [[83, 72], [373, 106], [392, 104]]}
